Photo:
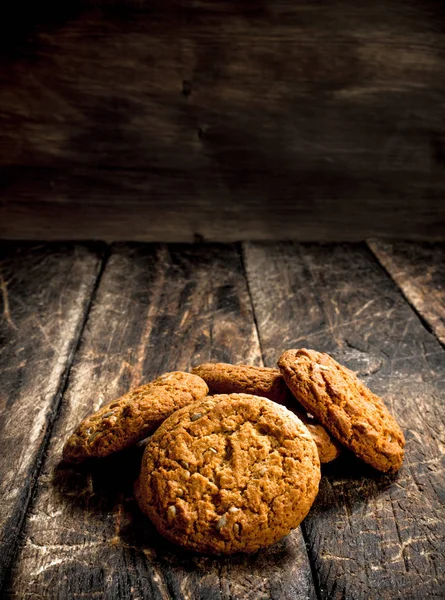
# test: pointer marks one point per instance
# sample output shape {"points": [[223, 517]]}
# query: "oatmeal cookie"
{"points": [[230, 473], [121, 423], [224, 378], [342, 403]]}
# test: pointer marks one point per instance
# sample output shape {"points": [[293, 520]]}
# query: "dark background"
{"points": [[209, 120]]}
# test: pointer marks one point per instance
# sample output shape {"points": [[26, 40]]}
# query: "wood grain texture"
{"points": [[370, 536], [419, 271], [228, 120], [45, 293], [157, 309]]}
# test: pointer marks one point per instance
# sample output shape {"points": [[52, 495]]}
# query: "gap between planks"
{"points": [[418, 270], [301, 526], [103, 253]]}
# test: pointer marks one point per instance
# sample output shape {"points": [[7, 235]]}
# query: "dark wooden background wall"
{"points": [[255, 119]]}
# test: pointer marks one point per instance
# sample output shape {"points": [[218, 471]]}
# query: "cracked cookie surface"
{"points": [[230, 473], [342, 403], [224, 378], [123, 422]]}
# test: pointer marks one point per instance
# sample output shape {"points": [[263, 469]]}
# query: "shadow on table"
{"points": [[98, 496], [104, 488]]}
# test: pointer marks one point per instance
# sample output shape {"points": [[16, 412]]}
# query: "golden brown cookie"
{"points": [[328, 448], [224, 378], [230, 473], [121, 423], [345, 406]]}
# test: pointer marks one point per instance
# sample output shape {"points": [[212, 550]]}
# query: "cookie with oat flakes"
{"points": [[121, 423], [230, 473], [354, 415]]}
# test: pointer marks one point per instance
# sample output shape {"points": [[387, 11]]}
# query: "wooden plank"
{"points": [[186, 207], [419, 271], [370, 536], [157, 309], [190, 206], [45, 295], [268, 120]]}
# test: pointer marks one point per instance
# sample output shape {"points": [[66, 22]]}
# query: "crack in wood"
{"points": [[153, 311], [43, 274], [6, 309]]}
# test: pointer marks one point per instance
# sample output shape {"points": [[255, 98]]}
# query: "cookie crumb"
{"points": [[221, 523]]}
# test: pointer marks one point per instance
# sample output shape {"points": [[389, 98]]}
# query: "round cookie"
{"points": [[224, 378], [345, 406], [230, 473], [121, 423]]}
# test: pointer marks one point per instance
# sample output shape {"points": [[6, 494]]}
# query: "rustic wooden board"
{"points": [[156, 309], [45, 294], [419, 271], [370, 536], [268, 120]]}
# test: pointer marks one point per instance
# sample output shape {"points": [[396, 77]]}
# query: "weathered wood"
{"points": [[45, 294], [370, 536], [156, 309], [419, 271], [186, 207], [267, 120]]}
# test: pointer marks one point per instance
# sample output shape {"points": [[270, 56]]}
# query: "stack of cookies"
{"points": [[237, 470]]}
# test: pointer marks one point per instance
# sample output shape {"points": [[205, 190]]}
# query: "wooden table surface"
{"points": [[82, 323]]}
